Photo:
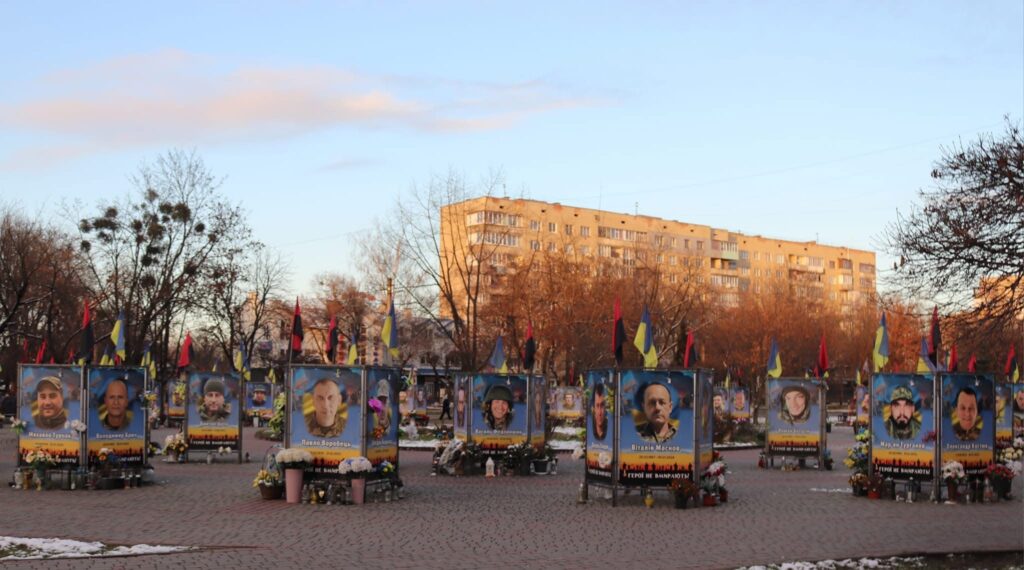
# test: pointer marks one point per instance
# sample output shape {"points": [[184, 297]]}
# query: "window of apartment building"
{"points": [[866, 283], [568, 229], [780, 259], [744, 255], [671, 260], [732, 265], [686, 244], [585, 249], [534, 245], [534, 225], [757, 288], [660, 258], [700, 244], [831, 264], [568, 248], [757, 273], [816, 262], [745, 271], [552, 227], [867, 268], [551, 246], [778, 273], [673, 278], [604, 251], [846, 264], [585, 231], [659, 240], [672, 242], [757, 256], [699, 262]]}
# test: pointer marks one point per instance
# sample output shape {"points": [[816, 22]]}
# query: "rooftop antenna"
{"points": [[636, 208], [504, 190]]}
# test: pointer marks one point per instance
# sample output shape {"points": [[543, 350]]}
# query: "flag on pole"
{"points": [[272, 376], [935, 339], [242, 362], [821, 367], [954, 363], [880, 353], [924, 362], [24, 351], [185, 358], [106, 360], [618, 333], [85, 346], [1012, 370], [728, 378], [644, 340], [148, 363], [297, 334], [690, 352], [530, 349], [117, 338], [774, 361], [972, 364], [353, 348], [497, 360], [332, 341], [216, 365], [389, 332], [41, 352], [858, 381]]}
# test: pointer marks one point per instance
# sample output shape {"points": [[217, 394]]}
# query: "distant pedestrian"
{"points": [[446, 407]]}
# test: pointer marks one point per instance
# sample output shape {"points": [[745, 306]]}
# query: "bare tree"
{"points": [[963, 246], [147, 254]]}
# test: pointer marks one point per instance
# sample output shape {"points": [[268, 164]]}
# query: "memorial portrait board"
{"points": [[117, 414], [1004, 414], [538, 411], [259, 399], [461, 407], [213, 411], [382, 414], [656, 425], [49, 402], [1018, 409], [794, 417], [326, 415], [499, 412], [176, 397], [902, 426], [968, 420], [600, 393]]}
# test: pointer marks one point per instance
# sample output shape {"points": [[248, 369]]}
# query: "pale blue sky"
{"points": [[788, 119]]}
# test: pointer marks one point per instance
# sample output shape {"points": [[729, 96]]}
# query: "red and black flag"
{"points": [[297, 335], [954, 363], [187, 352], [618, 333], [85, 346], [1012, 370], [972, 364], [41, 352], [690, 353], [821, 367], [935, 338], [332, 341], [530, 349], [24, 351]]}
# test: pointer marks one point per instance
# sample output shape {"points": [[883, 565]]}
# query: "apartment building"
{"points": [[513, 230]]}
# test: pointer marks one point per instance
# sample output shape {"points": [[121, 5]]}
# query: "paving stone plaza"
{"points": [[470, 522]]}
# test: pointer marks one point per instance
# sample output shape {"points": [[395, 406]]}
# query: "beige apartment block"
{"points": [[503, 232]]}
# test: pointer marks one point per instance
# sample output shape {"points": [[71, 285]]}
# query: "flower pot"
{"points": [[649, 500], [293, 485], [540, 466], [709, 500], [271, 492], [874, 494], [358, 491], [952, 493], [681, 500]]}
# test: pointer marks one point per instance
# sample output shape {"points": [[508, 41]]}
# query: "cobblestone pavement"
{"points": [[771, 517]]}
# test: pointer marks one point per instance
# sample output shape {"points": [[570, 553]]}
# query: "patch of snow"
{"points": [[39, 548], [849, 563], [840, 490]]}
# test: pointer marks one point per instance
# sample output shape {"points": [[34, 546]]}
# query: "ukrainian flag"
{"points": [[880, 353], [353, 350], [644, 341], [107, 360], [117, 337], [148, 363], [498, 360], [242, 362], [924, 363], [774, 361], [389, 333]]}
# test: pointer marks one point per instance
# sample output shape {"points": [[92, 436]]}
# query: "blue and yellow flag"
{"points": [[117, 337], [107, 360], [389, 332], [498, 360], [148, 363], [242, 362], [353, 349], [728, 378], [924, 363], [644, 341], [880, 353], [272, 376], [774, 361]]}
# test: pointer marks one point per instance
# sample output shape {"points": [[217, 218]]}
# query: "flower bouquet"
{"points": [[294, 458], [355, 469], [1001, 476], [683, 489], [39, 462], [269, 483], [713, 483], [953, 475], [19, 425], [517, 458], [175, 445], [79, 426], [857, 455], [874, 486], [859, 483]]}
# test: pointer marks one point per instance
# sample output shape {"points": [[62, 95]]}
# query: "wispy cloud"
{"points": [[176, 97]]}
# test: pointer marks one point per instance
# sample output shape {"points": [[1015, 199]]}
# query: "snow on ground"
{"points": [[840, 490], [881, 563], [14, 548]]}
